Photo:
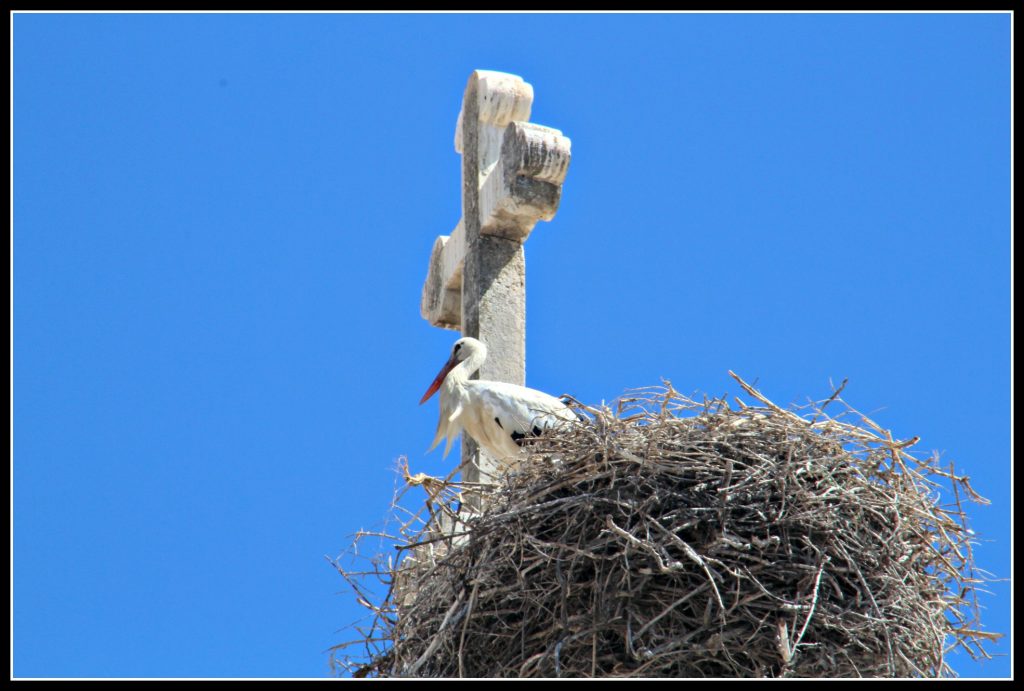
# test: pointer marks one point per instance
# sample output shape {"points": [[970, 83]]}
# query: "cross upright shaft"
{"points": [[512, 174]]}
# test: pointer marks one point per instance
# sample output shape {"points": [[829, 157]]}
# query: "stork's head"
{"points": [[464, 349]]}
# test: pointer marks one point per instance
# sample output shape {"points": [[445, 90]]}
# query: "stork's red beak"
{"points": [[440, 378]]}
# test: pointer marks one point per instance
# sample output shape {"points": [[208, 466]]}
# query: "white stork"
{"points": [[495, 414]]}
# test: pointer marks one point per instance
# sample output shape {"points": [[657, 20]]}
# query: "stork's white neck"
{"points": [[461, 373]]}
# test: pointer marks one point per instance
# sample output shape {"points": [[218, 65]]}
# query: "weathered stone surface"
{"points": [[509, 198], [494, 306], [441, 303], [527, 186]]}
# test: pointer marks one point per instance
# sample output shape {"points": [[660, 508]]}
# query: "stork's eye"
{"points": [[457, 346]]}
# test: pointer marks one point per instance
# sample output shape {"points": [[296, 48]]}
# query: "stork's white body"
{"points": [[495, 414]]}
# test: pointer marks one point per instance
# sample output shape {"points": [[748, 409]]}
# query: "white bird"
{"points": [[495, 414]]}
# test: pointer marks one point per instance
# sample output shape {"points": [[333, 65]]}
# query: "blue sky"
{"points": [[222, 226]]}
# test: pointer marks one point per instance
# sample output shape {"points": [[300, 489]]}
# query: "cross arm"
{"points": [[441, 302], [526, 185]]}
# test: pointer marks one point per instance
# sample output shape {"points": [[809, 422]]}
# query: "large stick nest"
{"points": [[674, 538]]}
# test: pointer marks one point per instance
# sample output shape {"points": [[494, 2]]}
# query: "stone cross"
{"points": [[512, 174]]}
